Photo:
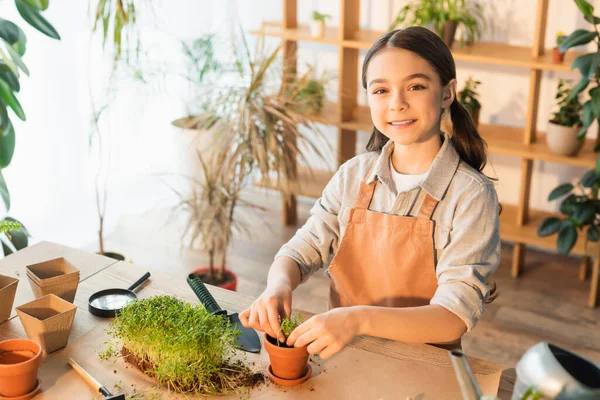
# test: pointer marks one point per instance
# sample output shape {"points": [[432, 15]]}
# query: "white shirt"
{"points": [[405, 182]]}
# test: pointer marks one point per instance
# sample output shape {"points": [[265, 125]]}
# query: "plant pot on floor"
{"points": [[563, 139], [8, 289], [20, 360], [229, 283], [448, 32], [57, 276], [289, 365], [557, 56], [317, 28], [48, 320]]}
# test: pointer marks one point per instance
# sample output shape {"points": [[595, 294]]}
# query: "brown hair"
{"points": [[468, 143], [466, 140]]}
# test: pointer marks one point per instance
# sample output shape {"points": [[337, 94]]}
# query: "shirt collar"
{"points": [[438, 178]]}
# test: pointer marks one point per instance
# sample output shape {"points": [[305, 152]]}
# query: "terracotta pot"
{"points": [[563, 139], [48, 320], [20, 360], [57, 276], [448, 33], [289, 363], [557, 56], [8, 289], [230, 285]]}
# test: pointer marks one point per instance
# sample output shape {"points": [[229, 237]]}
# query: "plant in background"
{"points": [[557, 56], [254, 119], [443, 17], [184, 346], [317, 16], [569, 108], [12, 49], [308, 93], [560, 38], [210, 209], [469, 98], [581, 206]]}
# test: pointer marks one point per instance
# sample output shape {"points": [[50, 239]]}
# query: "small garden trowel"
{"points": [[248, 340]]}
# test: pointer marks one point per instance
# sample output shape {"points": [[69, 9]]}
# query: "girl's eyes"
{"points": [[413, 87]]}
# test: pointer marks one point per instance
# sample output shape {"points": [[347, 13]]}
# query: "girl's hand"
{"points": [[327, 333], [264, 312]]}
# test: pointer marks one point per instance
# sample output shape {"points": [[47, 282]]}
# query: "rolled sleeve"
{"points": [[312, 244], [471, 256]]}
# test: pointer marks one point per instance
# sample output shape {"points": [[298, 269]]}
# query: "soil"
{"points": [[248, 378], [224, 280], [273, 341]]}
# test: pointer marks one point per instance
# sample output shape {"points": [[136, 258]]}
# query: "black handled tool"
{"points": [[94, 383], [109, 302], [248, 340]]}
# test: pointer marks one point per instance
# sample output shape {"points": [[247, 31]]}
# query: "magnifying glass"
{"points": [[108, 302]]}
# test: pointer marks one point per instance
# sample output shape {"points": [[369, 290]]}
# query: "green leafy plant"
{"points": [[12, 49], [184, 346], [317, 16], [569, 107], [469, 97], [581, 204], [288, 325], [560, 38], [531, 394], [468, 14]]}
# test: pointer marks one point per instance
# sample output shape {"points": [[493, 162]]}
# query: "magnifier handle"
{"points": [[140, 281]]}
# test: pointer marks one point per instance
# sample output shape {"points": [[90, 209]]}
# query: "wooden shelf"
{"points": [[311, 183], [481, 52]]}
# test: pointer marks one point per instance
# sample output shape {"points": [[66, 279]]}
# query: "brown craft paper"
{"points": [[48, 320], [351, 374], [8, 288]]}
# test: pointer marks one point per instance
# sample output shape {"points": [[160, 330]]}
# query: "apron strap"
{"points": [[428, 207], [363, 200]]}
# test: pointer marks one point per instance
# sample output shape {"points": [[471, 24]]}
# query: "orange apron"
{"points": [[385, 260]]}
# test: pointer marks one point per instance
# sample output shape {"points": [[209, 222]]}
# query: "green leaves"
{"points": [[595, 100], [592, 234], [4, 192], [32, 15], [9, 31], [9, 99], [7, 144], [587, 64], [549, 226], [567, 237], [588, 118], [586, 8], [577, 38], [560, 191]]}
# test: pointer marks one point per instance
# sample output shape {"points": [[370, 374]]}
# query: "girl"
{"points": [[413, 223]]}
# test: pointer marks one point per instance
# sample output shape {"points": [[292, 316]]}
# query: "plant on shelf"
{"points": [[308, 92], [582, 203], [12, 49], [469, 98], [183, 346], [443, 17], [563, 128], [317, 24], [557, 56]]}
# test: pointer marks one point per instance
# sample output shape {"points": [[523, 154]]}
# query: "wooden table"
{"points": [[100, 273]]}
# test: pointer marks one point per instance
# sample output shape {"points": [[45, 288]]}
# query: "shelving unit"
{"points": [[518, 223]]}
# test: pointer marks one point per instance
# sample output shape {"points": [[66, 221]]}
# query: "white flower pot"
{"points": [[317, 28], [563, 139]]}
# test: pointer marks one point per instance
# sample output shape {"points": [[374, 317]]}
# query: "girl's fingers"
{"points": [[328, 351], [303, 335], [264, 322], [244, 317], [274, 323], [317, 346], [253, 318]]}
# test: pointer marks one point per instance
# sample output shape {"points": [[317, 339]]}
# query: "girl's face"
{"points": [[406, 96]]}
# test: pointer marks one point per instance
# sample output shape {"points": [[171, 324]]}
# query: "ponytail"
{"points": [[466, 140]]}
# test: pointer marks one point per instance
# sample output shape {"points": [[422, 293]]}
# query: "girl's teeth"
{"points": [[401, 123]]}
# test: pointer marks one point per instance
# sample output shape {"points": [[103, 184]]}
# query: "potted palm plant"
{"points": [[444, 17], [563, 128], [469, 98]]}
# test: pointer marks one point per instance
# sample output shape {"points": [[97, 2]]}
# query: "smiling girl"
{"points": [[413, 224]]}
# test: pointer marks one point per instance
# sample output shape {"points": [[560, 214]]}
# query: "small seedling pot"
{"points": [[57, 276], [557, 56], [230, 284], [287, 363], [317, 28], [20, 360], [8, 289], [48, 320]]}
